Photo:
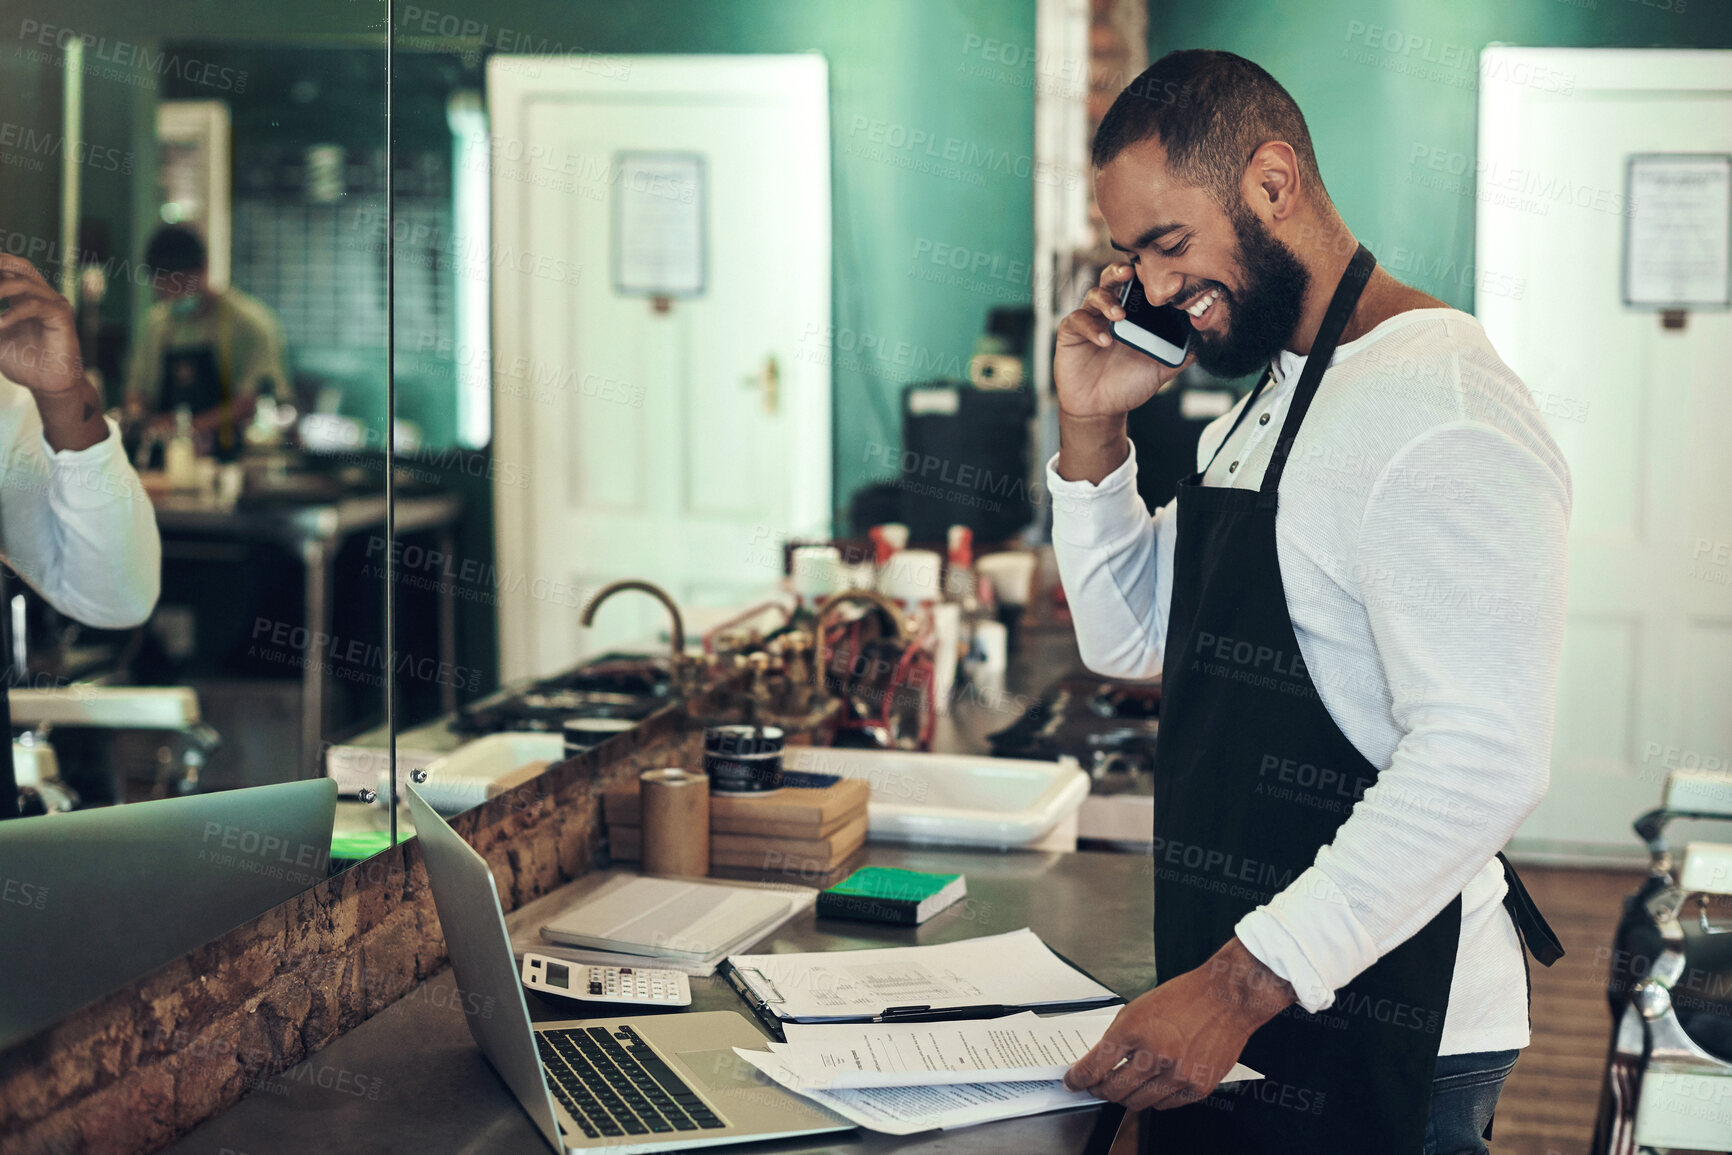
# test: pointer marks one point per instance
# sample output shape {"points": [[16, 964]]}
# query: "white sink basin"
{"points": [[959, 799]]}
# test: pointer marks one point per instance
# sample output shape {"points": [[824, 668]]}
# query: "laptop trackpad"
{"points": [[721, 1072]]}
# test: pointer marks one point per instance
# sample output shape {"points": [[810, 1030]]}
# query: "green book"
{"points": [[886, 894]]}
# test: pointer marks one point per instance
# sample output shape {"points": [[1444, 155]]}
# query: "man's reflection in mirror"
{"points": [[75, 523], [203, 355]]}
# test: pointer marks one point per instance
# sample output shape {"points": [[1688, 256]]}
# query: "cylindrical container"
{"points": [[1012, 573], [676, 822], [817, 573], [582, 733], [991, 651], [911, 577], [988, 660], [886, 540], [946, 652], [743, 759]]}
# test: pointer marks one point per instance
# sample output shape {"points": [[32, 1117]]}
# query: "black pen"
{"points": [[926, 1014]]}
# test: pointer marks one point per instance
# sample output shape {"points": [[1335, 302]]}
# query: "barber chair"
{"points": [[1668, 1082]]}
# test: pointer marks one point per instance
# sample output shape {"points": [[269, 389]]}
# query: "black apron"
{"points": [[1252, 778], [200, 377]]}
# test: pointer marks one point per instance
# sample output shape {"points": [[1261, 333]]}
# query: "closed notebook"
{"points": [[887, 894], [667, 917]]}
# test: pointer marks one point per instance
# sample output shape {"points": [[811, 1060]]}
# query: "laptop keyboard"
{"points": [[612, 1083]]}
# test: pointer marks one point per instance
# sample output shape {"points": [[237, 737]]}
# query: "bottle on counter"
{"points": [[887, 539], [979, 646], [180, 459], [960, 584], [818, 573], [913, 579]]}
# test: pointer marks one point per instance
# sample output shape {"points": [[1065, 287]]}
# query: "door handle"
{"points": [[770, 379]]}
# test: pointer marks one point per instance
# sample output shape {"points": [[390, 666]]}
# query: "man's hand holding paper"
{"points": [[868, 1071], [1177, 1043], [1016, 1048]]}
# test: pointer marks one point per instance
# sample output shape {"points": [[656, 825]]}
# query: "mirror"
{"points": [[206, 186]]}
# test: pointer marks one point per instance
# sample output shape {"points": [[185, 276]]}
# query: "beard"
{"points": [[1264, 313]]}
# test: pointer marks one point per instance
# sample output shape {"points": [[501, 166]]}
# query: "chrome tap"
{"points": [[677, 631], [688, 672]]}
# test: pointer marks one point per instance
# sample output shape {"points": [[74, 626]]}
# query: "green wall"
{"points": [[30, 177], [1381, 109], [897, 68]]}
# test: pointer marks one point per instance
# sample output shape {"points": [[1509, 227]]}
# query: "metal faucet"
{"points": [[677, 631], [820, 663]]}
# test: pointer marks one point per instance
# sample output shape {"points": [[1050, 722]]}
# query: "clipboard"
{"points": [[759, 1008], [772, 1021]]}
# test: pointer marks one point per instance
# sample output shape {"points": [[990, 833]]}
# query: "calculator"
{"points": [[641, 986]]}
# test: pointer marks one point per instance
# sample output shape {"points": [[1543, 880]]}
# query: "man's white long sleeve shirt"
{"points": [[1421, 539]]}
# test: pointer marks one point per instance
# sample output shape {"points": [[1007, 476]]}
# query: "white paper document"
{"points": [[659, 223], [1677, 247], [1016, 1048], [908, 1110], [1010, 970], [908, 1077]]}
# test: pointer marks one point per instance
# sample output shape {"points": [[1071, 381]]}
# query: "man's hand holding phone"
{"points": [[1100, 379]]}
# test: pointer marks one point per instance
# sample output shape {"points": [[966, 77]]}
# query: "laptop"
{"points": [[667, 1082], [94, 899]]}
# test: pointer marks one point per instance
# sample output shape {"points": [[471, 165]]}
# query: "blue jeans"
{"points": [[1464, 1092]]}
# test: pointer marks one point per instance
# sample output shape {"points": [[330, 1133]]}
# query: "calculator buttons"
{"points": [[642, 986]]}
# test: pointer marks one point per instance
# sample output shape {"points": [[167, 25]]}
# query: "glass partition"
{"points": [[202, 186]]}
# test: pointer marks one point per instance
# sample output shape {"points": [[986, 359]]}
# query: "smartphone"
{"points": [[1161, 331]]}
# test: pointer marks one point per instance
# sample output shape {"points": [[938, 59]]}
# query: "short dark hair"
{"points": [[1210, 110], [175, 249]]}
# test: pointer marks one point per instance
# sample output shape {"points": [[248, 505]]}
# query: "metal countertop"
{"points": [[411, 1079]]}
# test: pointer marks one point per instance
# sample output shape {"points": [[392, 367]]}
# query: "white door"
{"points": [[1643, 414], [676, 441]]}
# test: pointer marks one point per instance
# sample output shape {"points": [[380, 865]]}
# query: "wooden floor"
{"points": [[1549, 1102]]}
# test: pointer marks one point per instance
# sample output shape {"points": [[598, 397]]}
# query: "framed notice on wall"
{"points": [[658, 224], [1678, 231]]}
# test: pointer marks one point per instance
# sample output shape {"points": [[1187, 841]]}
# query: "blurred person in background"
{"points": [[212, 352]]}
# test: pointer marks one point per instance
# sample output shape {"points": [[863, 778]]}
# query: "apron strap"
{"points": [[1536, 934], [1322, 349], [225, 373]]}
